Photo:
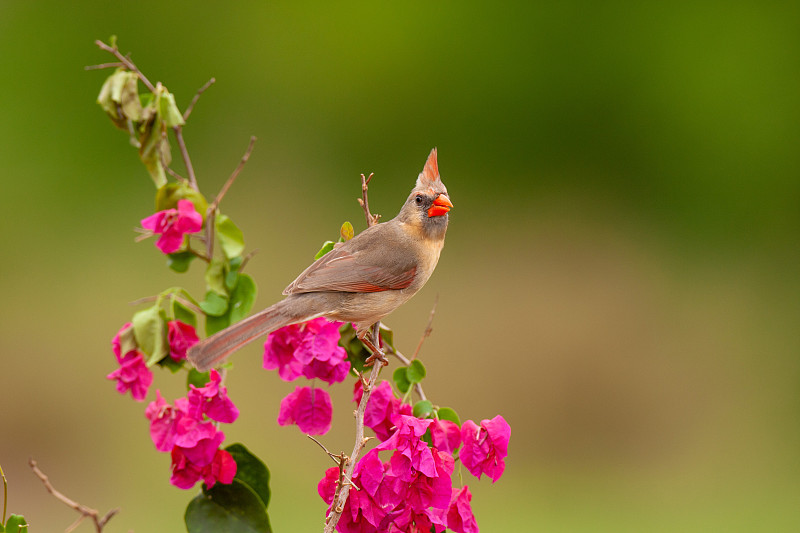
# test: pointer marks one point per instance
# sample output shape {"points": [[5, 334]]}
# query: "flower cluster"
{"points": [[173, 224], [186, 430], [311, 350], [413, 490]]}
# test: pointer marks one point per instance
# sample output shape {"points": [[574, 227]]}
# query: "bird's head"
{"points": [[428, 203]]}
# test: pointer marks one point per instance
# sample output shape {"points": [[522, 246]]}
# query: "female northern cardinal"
{"points": [[360, 281]]}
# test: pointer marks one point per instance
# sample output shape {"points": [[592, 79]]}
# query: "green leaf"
{"points": [[171, 364], [233, 508], [127, 340], [16, 524], [231, 279], [423, 408], [235, 262], [214, 304], [129, 98], [167, 109], [110, 94], [183, 313], [215, 324], [149, 330], [215, 277], [415, 371], [346, 232], [179, 262], [327, 246], [387, 335], [167, 197], [153, 148], [242, 298], [251, 471], [400, 378], [445, 413], [231, 238], [198, 379], [357, 353]]}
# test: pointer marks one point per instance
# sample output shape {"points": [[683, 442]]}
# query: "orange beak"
{"points": [[441, 205]]}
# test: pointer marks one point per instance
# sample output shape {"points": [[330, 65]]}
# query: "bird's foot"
{"points": [[377, 356]]}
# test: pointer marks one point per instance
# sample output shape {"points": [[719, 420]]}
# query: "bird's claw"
{"points": [[376, 356]]}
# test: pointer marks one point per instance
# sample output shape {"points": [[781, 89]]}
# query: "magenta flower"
{"points": [[362, 513], [383, 409], [310, 349], [202, 461], [187, 432], [181, 337], [173, 224], [132, 374], [417, 489], [174, 426], [459, 516], [485, 447], [412, 451], [310, 409], [445, 435], [212, 401]]}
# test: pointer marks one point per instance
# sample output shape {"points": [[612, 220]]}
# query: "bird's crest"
{"points": [[429, 177]]}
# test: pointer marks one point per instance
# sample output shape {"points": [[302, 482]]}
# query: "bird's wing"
{"points": [[348, 271]]}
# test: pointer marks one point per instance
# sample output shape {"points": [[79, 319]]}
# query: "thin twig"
{"points": [[115, 64], [234, 174], [211, 213], [247, 258], [330, 454], [364, 201], [187, 161], [428, 328], [200, 91], [127, 63], [94, 514], [346, 470]]}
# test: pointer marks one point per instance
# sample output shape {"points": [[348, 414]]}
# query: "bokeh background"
{"points": [[620, 277]]}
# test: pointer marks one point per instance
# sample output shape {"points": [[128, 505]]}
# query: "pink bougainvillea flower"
{"points": [[132, 375], [162, 417], [383, 409], [485, 447], [310, 409], [310, 349], [173, 224], [362, 513], [181, 337], [445, 435], [327, 485], [413, 451], [202, 461], [174, 426], [212, 401], [416, 489], [222, 468], [459, 516]]}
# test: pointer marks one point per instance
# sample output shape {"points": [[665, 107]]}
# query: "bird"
{"points": [[359, 281]]}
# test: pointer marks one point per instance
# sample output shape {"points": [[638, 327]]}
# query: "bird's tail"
{"points": [[212, 351]]}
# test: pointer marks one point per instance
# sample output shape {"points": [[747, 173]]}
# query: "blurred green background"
{"points": [[620, 277]]}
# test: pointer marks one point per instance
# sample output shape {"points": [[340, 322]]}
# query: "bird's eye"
{"points": [[418, 199]]}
